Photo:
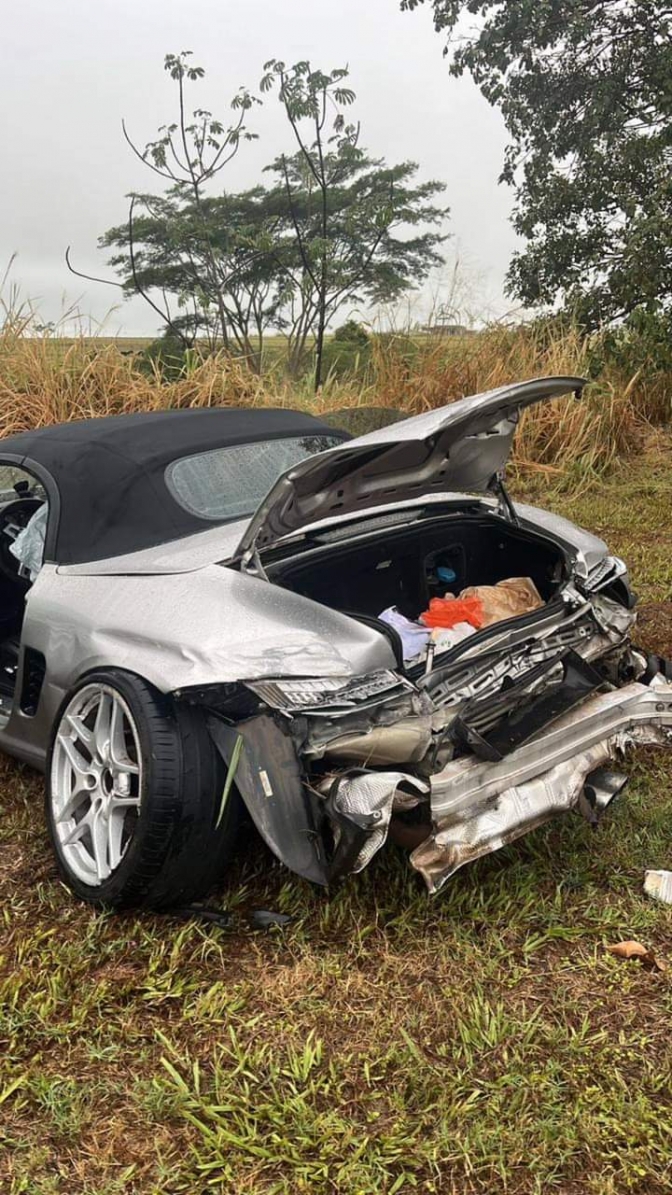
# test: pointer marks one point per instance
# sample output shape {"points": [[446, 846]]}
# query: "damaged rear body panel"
{"points": [[480, 737], [520, 723]]}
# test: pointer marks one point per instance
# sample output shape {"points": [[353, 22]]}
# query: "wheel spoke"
{"points": [[77, 831], [115, 830], [83, 732], [77, 761], [72, 804], [122, 802], [101, 730], [118, 752], [99, 842]]}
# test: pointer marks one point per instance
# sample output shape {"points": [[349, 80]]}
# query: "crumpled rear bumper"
{"points": [[478, 806]]}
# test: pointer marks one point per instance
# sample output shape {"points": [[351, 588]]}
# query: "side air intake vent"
{"points": [[34, 668]]}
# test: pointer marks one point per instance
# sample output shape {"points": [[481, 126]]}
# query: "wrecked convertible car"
{"points": [[216, 610]]}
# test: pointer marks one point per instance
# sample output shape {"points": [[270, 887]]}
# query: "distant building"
{"points": [[447, 330]]}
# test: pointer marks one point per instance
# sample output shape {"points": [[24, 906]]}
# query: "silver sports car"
{"points": [[210, 611]]}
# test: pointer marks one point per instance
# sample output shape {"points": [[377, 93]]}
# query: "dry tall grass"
{"points": [[44, 380], [565, 437]]}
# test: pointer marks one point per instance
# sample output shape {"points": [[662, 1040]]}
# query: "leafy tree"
{"points": [[345, 208], [348, 351], [213, 257], [365, 257], [585, 88], [334, 225], [352, 333]]}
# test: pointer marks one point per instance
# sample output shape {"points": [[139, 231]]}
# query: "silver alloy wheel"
{"points": [[96, 782]]}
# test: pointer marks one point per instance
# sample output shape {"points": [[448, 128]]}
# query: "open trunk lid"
{"points": [[461, 447]]}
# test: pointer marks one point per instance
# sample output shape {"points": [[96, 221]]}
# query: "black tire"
{"points": [[177, 852]]}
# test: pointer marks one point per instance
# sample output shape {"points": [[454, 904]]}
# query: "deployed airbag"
{"points": [[28, 547]]}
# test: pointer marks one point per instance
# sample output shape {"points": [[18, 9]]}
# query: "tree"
{"points": [[366, 256], [585, 88], [334, 226], [213, 258], [188, 154], [344, 207]]}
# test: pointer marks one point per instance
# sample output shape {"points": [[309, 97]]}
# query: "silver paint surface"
{"points": [[200, 628], [461, 446], [197, 624], [588, 548], [185, 555]]}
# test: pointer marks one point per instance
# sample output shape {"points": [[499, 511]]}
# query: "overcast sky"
{"points": [[72, 68]]}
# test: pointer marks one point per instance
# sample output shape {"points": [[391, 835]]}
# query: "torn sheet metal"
{"points": [[270, 782], [503, 818], [478, 807], [369, 799], [623, 711]]}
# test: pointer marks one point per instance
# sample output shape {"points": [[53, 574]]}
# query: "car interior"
{"points": [[21, 497]]}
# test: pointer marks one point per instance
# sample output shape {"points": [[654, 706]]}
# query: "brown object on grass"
{"points": [[628, 950]]}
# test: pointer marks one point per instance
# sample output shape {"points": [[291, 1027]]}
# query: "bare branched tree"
{"points": [[188, 154]]}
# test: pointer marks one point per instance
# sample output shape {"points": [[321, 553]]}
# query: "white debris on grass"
{"points": [[658, 884]]}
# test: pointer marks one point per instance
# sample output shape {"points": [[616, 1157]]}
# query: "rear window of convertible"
{"points": [[229, 483]]}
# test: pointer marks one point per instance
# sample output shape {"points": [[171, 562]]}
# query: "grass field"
{"points": [[483, 1041], [46, 380]]}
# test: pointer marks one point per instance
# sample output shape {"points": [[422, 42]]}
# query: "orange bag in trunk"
{"points": [[446, 612]]}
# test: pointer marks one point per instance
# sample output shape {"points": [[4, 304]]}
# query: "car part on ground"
{"points": [[658, 884]]}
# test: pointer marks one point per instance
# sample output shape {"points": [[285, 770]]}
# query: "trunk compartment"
{"points": [[474, 744], [400, 566]]}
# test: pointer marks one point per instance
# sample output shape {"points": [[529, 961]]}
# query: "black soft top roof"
{"points": [[106, 477]]}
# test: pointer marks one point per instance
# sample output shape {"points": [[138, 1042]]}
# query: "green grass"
{"points": [[483, 1041]]}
